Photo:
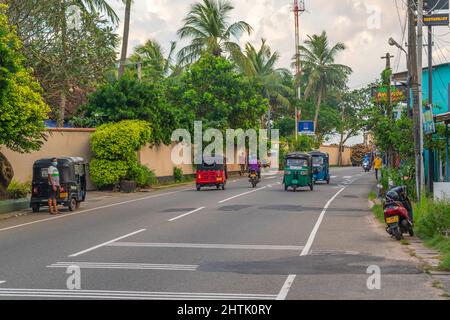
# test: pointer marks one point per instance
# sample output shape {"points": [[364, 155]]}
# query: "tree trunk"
{"points": [[341, 144], [319, 101], [6, 174], [126, 32], [62, 110]]}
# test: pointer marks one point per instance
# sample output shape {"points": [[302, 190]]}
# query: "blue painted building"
{"points": [[441, 110]]}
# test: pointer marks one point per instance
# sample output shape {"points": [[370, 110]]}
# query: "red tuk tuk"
{"points": [[211, 174]]}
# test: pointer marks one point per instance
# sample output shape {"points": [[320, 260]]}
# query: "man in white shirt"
{"points": [[54, 185]]}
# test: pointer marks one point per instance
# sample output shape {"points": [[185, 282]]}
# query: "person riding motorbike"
{"points": [[254, 165]]}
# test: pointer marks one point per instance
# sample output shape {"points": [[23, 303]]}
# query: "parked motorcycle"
{"points": [[398, 213], [254, 179]]}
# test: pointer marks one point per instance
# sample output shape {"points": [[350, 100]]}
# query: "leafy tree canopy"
{"points": [[22, 109]]}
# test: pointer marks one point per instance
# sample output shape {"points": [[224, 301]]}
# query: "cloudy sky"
{"points": [[362, 25]]}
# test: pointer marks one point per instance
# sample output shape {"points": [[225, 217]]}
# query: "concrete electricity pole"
{"points": [[298, 9], [420, 80], [417, 108]]}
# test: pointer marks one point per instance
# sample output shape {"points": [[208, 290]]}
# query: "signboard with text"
{"points": [[306, 127], [441, 19], [398, 94]]}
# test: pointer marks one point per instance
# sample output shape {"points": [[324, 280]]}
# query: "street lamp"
{"points": [[394, 43]]}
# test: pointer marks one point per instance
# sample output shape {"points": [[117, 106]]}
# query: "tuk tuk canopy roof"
{"points": [[319, 154], [298, 155]]}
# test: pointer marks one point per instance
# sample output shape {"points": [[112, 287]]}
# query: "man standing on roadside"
{"points": [[242, 163], [377, 165], [53, 181]]}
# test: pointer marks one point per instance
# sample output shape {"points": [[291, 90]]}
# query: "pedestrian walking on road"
{"points": [[242, 163], [377, 165], [53, 181]]}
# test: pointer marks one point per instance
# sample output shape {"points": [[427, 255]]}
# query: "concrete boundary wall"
{"points": [[76, 143]]}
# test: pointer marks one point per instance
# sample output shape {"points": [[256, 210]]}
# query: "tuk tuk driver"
{"points": [[254, 165], [53, 181]]}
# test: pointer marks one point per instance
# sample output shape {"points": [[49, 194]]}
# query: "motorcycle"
{"points": [[254, 179], [366, 166], [398, 213]]}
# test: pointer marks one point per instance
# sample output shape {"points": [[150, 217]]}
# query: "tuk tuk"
{"points": [[298, 171], [211, 174], [72, 180], [321, 166]]}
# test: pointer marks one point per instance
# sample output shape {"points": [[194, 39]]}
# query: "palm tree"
{"points": [[126, 33], [98, 6], [208, 27], [259, 64], [318, 63], [153, 59]]}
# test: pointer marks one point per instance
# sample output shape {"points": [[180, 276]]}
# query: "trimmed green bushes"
{"points": [[115, 147]]}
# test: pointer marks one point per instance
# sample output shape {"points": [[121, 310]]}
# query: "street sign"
{"points": [[434, 5], [428, 121], [441, 19], [306, 127]]}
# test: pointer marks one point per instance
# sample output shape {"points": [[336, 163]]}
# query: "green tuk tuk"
{"points": [[298, 171]]}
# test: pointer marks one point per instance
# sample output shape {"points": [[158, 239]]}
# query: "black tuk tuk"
{"points": [[72, 172]]}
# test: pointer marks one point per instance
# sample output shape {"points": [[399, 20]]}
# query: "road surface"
{"points": [[241, 243]]}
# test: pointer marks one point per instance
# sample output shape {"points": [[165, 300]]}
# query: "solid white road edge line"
{"points": [[290, 279], [92, 209], [2, 282], [106, 243], [243, 194], [186, 214]]}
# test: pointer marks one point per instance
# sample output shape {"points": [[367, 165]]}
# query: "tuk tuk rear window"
{"points": [[317, 160], [297, 163]]}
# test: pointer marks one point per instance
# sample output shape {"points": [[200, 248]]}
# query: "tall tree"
{"points": [[208, 28], [318, 60], [354, 105], [126, 34], [22, 108], [260, 65], [69, 59], [155, 63]]}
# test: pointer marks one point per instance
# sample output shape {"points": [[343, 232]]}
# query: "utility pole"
{"points": [[420, 80], [298, 9], [389, 112], [412, 53], [430, 105]]}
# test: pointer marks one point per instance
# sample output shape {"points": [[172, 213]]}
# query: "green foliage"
{"points": [[68, 61], [178, 174], [22, 109], [107, 172], [120, 141], [18, 190], [304, 143], [378, 212], [432, 218], [114, 146], [143, 176], [211, 91], [286, 126], [131, 99]]}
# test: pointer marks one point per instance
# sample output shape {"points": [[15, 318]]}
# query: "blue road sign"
{"points": [[306, 127]]}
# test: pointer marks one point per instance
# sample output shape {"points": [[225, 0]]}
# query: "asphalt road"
{"points": [[241, 243]]}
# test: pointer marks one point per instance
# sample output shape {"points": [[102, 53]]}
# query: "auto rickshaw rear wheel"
{"points": [[285, 187], [35, 207], [311, 186], [223, 187], [73, 204], [199, 187]]}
